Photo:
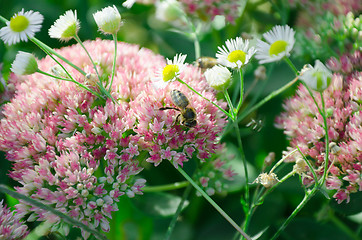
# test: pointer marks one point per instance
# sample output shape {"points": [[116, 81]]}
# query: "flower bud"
{"points": [[24, 64], [218, 77], [317, 78], [108, 20]]}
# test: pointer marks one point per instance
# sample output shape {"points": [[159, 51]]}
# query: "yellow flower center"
{"points": [[170, 72], [278, 47], [237, 55], [19, 23]]}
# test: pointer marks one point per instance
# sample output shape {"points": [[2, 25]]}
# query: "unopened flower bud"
{"points": [[218, 77], [24, 64], [108, 20], [317, 78]]}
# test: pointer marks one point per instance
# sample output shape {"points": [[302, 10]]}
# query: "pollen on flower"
{"points": [[170, 72], [19, 23], [278, 47], [237, 55]]}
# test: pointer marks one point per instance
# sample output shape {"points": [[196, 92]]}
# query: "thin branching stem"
{"points": [[166, 187], [202, 192], [61, 215], [172, 225], [114, 60]]}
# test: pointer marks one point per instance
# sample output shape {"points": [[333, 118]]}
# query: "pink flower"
{"points": [[10, 225], [207, 10], [302, 124], [58, 136]]}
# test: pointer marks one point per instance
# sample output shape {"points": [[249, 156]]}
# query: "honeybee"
{"points": [[205, 62], [187, 114]]}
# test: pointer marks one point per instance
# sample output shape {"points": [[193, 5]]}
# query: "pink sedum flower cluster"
{"points": [[304, 126], [10, 225], [207, 10], [78, 154], [337, 7]]}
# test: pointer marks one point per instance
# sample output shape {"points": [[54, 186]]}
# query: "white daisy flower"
{"points": [[24, 64], [108, 20], [22, 25], [280, 41], [218, 77], [65, 27], [170, 72], [235, 54], [318, 77]]}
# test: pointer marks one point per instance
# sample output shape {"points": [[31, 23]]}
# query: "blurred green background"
{"points": [[320, 218]]}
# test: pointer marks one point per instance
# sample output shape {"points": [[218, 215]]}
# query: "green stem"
{"points": [[49, 51], [166, 187], [178, 211], [309, 165], [310, 194], [61, 215], [70, 80], [89, 56], [114, 60], [266, 99], [260, 198], [241, 149], [306, 198], [228, 100], [291, 65], [196, 42], [3, 19], [205, 98], [100, 83], [241, 91], [312, 95], [202, 192], [326, 156]]}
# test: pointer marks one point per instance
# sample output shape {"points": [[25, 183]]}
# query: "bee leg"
{"points": [[167, 108], [178, 120]]}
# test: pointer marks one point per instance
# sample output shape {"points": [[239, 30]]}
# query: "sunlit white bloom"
{"points": [[24, 64], [108, 20], [65, 27], [235, 54], [218, 77], [318, 77], [22, 25], [170, 72], [280, 41]]}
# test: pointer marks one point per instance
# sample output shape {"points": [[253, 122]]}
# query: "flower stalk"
{"points": [[202, 192], [61, 215]]}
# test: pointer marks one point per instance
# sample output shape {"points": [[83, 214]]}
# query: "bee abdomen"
{"points": [[179, 99]]}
